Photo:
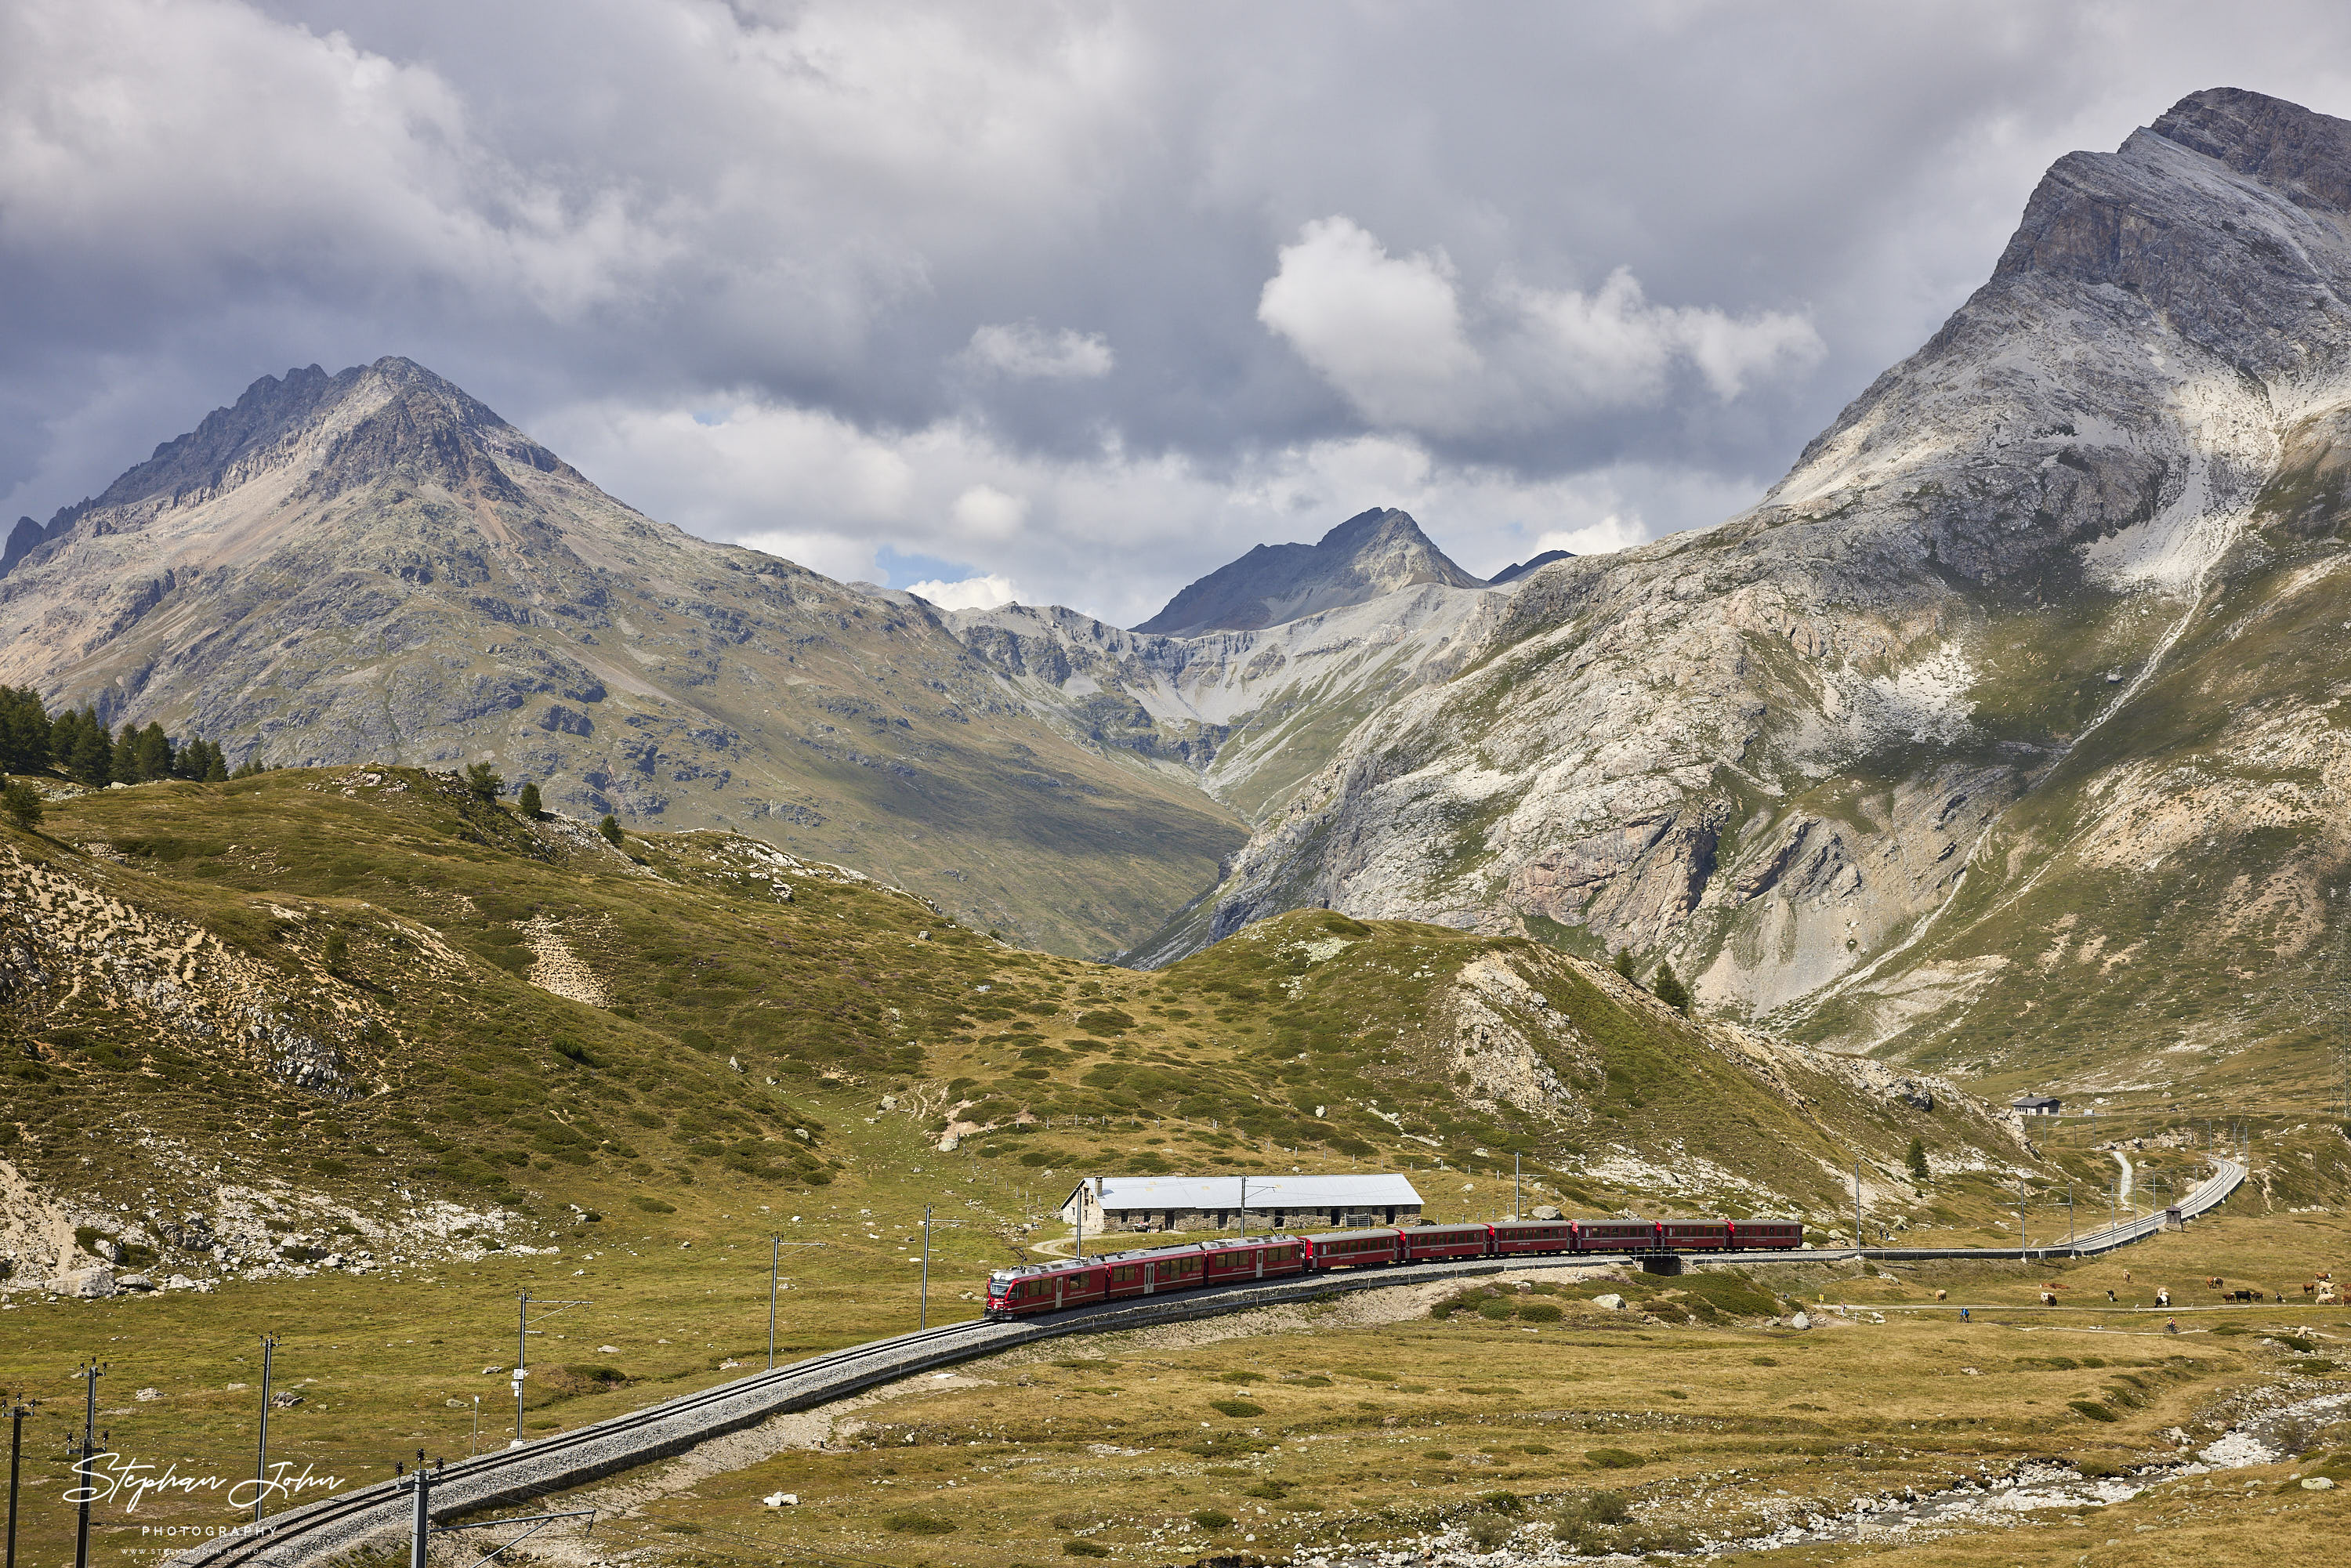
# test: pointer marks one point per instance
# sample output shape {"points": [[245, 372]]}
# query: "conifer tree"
{"points": [[122, 756], [1624, 965], [483, 781], [23, 730], [92, 762], [527, 804], [610, 828], [1668, 988], [215, 764], [1917, 1159], [152, 754]]}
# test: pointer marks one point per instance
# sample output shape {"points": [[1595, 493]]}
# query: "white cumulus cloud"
{"points": [[983, 592], [1384, 331], [1394, 336], [1026, 352]]}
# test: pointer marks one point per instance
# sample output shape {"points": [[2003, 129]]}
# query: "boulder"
{"points": [[2317, 1483], [1546, 1212], [1800, 1321], [135, 1283], [1612, 1301], [178, 1282], [88, 1284]]}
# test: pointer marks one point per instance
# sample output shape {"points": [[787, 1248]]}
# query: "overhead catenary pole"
{"points": [[923, 1322], [424, 1518], [1856, 1206], [90, 1375], [1514, 1183], [261, 1449], [17, 1410]]}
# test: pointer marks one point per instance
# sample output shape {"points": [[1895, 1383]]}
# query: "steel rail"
{"points": [[567, 1459]]}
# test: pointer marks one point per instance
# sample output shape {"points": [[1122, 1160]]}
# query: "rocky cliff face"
{"points": [[1370, 555], [373, 566], [2018, 615]]}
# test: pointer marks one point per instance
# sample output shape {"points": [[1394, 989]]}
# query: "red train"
{"points": [[1049, 1287]]}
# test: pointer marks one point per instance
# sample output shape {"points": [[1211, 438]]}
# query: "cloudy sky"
{"points": [[1072, 302]]}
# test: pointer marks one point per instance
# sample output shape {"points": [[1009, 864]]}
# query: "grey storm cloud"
{"points": [[953, 292]]}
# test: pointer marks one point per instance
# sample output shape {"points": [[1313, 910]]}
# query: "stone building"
{"points": [[1216, 1203]]}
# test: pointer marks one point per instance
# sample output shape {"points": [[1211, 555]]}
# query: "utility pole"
{"points": [[1514, 1183], [2069, 1216], [18, 1408], [92, 1372], [1244, 1206], [2020, 1218], [261, 1452]]}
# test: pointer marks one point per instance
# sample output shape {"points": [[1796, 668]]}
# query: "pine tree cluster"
{"points": [[78, 744]]}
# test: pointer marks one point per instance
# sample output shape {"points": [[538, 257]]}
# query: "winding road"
{"points": [[381, 1514]]}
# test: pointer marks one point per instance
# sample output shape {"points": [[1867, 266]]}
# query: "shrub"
{"points": [[1083, 1549], [22, 802], [1490, 1532], [653, 1205], [1540, 1312], [1209, 1518], [2090, 1407], [915, 1522], [1613, 1458], [1503, 1502], [1499, 1308], [610, 828], [1237, 1408]]}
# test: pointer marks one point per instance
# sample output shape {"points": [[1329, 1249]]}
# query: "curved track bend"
{"points": [[382, 1512]]}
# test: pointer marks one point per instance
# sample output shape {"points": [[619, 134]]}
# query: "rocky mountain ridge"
{"points": [[1797, 752], [1371, 555], [373, 566]]}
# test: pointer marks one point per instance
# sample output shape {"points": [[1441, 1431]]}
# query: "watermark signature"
{"points": [[106, 1477]]}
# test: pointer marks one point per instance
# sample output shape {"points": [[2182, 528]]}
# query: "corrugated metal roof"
{"points": [[1265, 1192]]}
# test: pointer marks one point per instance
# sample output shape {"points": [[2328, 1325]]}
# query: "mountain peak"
{"points": [[2304, 155], [1372, 553]]}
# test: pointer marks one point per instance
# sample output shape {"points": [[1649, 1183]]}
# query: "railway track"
{"points": [[382, 1512]]}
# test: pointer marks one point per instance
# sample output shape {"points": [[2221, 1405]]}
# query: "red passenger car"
{"points": [[1257, 1258], [1513, 1236], [1768, 1235], [1353, 1248], [1617, 1236], [1693, 1235], [1424, 1242]]}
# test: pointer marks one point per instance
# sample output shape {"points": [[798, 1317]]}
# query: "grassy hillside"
{"points": [[340, 978]]}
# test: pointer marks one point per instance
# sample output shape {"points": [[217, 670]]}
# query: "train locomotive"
{"points": [[1083, 1282]]}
